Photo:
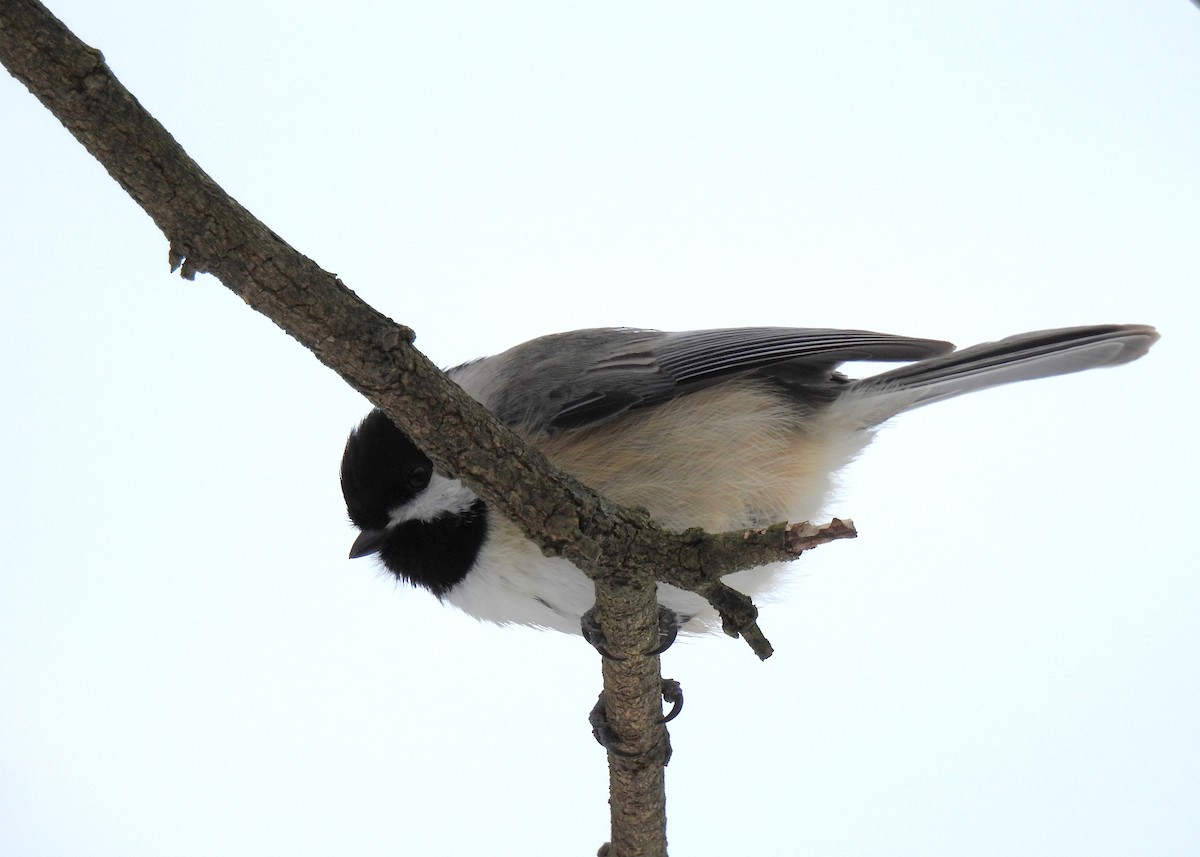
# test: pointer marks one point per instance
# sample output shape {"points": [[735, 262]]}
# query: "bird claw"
{"points": [[590, 628], [668, 631], [672, 692], [607, 737], [603, 732]]}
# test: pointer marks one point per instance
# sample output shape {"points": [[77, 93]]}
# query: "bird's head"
{"points": [[426, 528]]}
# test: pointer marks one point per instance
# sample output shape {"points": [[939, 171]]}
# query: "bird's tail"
{"points": [[1024, 357]]}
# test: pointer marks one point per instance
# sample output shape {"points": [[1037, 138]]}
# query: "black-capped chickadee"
{"points": [[718, 429]]}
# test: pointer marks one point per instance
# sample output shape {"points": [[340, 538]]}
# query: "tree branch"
{"points": [[620, 549]]}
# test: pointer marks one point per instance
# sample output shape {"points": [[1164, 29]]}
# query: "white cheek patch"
{"points": [[441, 497]]}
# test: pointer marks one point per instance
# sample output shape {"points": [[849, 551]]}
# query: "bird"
{"points": [[721, 429]]}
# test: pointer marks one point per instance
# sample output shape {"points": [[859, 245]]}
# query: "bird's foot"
{"points": [[668, 631], [607, 737]]}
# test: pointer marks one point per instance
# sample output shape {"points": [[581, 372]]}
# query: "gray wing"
{"points": [[588, 377]]}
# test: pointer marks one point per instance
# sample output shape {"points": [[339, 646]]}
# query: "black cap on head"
{"points": [[381, 470]]}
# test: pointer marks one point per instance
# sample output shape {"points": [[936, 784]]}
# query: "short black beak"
{"points": [[368, 542]]}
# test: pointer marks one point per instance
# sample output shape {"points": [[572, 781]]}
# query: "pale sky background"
{"points": [[1005, 662]]}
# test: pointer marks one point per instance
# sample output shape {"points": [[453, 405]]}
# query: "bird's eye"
{"points": [[418, 477]]}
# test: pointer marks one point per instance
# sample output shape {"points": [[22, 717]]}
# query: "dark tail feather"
{"points": [[1024, 357]]}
